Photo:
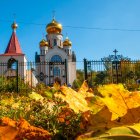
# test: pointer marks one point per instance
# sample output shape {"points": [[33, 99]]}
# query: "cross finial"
{"points": [[115, 51], [53, 12], [14, 25]]}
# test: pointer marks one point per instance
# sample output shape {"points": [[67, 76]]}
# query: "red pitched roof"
{"points": [[13, 46]]}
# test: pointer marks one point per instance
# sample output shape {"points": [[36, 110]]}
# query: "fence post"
{"points": [[85, 69], [17, 76], [66, 71], [116, 71], [31, 75]]}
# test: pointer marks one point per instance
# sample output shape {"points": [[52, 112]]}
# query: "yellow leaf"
{"points": [[76, 101], [118, 99], [85, 91], [56, 86], [84, 87], [35, 96], [80, 101]]}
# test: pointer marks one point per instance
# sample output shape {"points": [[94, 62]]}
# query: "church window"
{"points": [[49, 43], [56, 58], [55, 42], [12, 64], [56, 71], [51, 71]]}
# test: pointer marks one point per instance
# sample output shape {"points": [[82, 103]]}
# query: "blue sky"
{"points": [[87, 43]]}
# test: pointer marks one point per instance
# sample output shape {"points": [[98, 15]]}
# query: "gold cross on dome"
{"points": [[53, 13]]}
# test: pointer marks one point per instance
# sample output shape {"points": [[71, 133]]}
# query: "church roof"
{"points": [[13, 45]]}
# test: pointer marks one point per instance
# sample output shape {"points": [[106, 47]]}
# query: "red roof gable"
{"points": [[13, 45]]}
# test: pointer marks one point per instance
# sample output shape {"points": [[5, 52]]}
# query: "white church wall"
{"points": [[58, 37], [71, 72], [56, 51], [22, 65]]}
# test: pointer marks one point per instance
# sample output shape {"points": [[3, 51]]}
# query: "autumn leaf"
{"points": [[98, 121], [85, 91], [8, 132], [31, 132], [80, 101], [118, 99], [132, 116], [17, 130], [76, 101], [35, 96], [5, 121], [130, 132], [56, 86], [133, 100], [84, 87]]}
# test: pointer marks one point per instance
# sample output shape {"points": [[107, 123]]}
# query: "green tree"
{"points": [[79, 79]]}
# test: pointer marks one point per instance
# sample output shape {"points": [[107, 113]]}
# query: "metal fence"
{"points": [[23, 77], [104, 72]]}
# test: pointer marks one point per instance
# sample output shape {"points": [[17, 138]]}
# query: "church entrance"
{"points": [[11, 70], [57, 70]]}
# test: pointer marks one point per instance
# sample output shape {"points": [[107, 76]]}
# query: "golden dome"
{"points": [[14, 26], [54, 27], [43, 43], [67, 42]]}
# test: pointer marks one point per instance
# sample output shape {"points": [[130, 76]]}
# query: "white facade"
{"points": [[56, 52], [11, 69], [13, 61]]}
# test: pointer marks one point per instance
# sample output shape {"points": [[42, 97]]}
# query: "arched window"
{"points": [[56, 72], [55, 42], [12, 63], [49, 43], [56, 58]]}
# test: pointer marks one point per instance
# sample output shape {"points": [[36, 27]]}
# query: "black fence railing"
{"points": [[23, 77], [104, 72]]}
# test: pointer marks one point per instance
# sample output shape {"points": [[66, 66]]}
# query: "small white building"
{"points": [[13, 61], [56, 61], [13, 55]]}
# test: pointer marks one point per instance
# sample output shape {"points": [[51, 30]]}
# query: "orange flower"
{"points": [[61, 120]]}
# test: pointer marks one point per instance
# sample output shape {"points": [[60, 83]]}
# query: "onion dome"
{"points": [[43, 43], [54, 27], [67, 42], [14, 26]]}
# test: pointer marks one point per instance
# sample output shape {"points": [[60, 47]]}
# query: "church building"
{"points": [[56, 61], [13, 57]]}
